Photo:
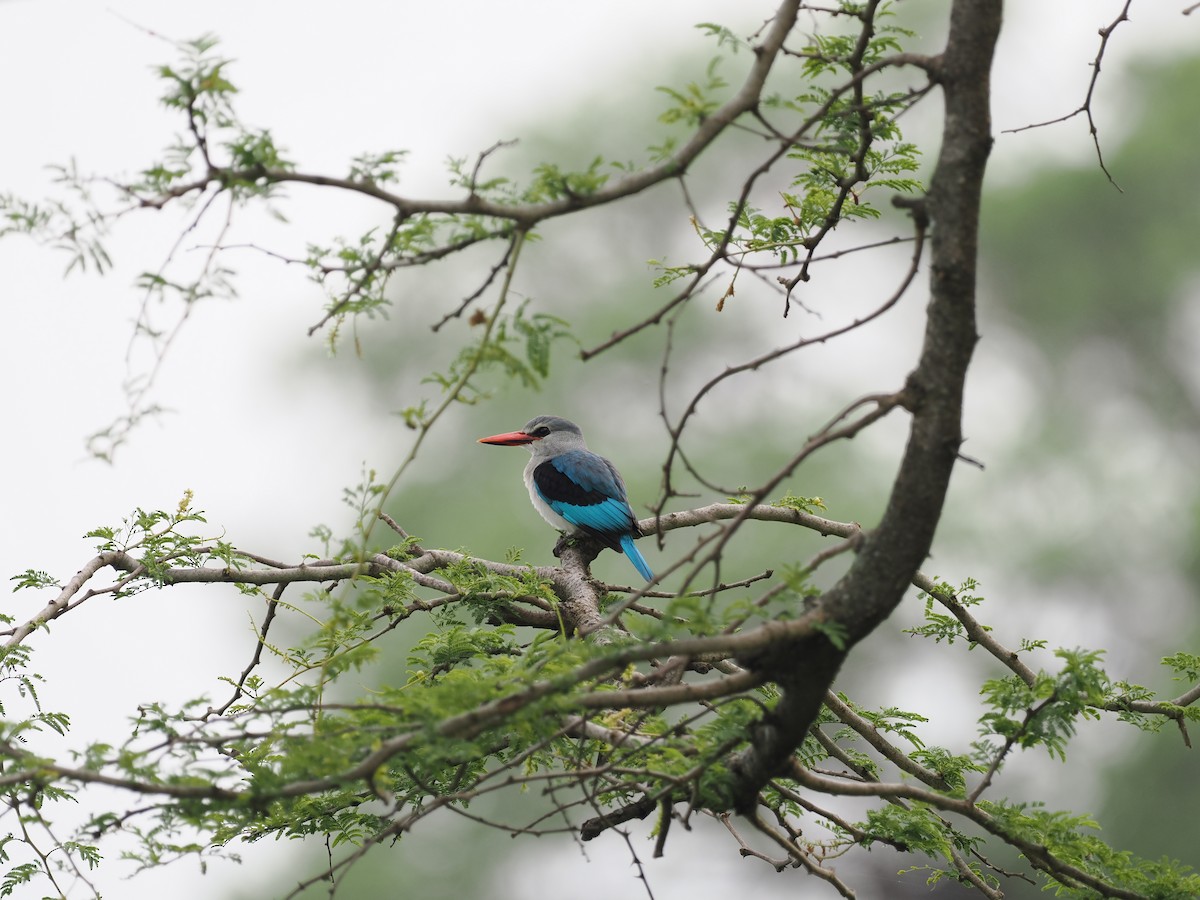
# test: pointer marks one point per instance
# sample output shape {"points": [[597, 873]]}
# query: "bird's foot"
{"points": [[564, 541]]}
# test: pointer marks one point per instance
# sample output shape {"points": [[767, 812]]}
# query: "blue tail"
{"points": [[635, 557]]}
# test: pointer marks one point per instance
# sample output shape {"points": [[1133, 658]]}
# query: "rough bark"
{"points": [[891, 554]]}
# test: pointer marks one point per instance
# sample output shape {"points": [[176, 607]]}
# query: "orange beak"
{"points": [[509, 439]]}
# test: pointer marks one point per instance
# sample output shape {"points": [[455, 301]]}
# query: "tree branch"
{"points": [[892, 554]]}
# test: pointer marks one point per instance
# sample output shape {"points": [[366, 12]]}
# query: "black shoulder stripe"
{"points": [[557, 487]]}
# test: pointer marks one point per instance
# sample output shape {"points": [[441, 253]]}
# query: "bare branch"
{"points": [[1086, 106]]}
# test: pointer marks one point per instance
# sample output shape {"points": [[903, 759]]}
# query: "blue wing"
{"points": [[586, 490]]}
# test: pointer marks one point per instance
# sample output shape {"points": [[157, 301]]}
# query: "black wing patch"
{"points": [[557, 487]]}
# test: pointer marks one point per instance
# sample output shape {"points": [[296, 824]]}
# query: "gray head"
{"points": [[542, 436]]}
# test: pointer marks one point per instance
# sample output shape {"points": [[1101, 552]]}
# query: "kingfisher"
{"points": [[575, 490]]}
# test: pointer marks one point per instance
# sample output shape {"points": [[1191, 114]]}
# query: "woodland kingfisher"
{"points": [[575, 490]]}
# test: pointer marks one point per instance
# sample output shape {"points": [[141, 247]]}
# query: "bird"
{"points": [[575, 490]]}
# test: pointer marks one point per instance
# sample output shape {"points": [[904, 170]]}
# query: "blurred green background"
{"points": [[1082, 403], [1082, 529]]}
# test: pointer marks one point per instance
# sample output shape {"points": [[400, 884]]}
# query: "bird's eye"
{"points": [[540, 431]]}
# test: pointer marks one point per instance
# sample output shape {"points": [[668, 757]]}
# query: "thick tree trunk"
{"points": [[892, 553]]}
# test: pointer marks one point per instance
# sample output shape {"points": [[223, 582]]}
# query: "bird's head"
{"points": [[543, 436]]}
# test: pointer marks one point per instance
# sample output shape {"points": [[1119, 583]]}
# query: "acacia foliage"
{"points": [[715, 698]]}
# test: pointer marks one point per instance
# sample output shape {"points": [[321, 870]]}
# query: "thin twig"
{"points": [[1086, 106]]}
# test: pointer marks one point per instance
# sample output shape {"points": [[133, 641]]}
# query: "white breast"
{"points": [[555, 520]]}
